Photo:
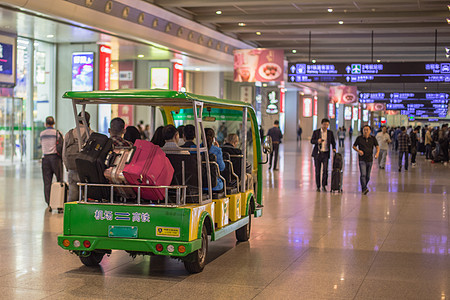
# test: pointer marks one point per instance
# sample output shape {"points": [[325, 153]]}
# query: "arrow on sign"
{"points": [[348, 69], [293, 78], [293, 69], [348, 78]]}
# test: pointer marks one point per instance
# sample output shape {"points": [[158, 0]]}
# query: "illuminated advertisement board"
{"points": [[159, 78], [343, 94], [307, 107], [261, 65], [413, 72], [82, 71], [7, 61], [348, 113], [365, 115]]}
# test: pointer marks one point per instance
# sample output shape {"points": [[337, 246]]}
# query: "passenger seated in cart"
{"points": [[171, 138], [158, 138], [231, 147], [116, 131], [213, 148], [132, 134], [189, 136]]}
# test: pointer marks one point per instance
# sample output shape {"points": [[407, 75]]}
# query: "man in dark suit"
{"points": [[323, 140]]}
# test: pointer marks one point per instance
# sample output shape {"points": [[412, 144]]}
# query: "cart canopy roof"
{"points": [[151, 97]]}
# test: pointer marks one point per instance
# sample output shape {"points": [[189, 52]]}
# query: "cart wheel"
{"points": [[196, 261], [243, 233], [92, 259]]}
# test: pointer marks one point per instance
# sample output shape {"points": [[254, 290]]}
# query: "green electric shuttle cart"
{"points": [[179, 225]]}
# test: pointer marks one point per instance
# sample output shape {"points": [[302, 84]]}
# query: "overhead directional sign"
{"points": [[414, 72], [423, 105]]}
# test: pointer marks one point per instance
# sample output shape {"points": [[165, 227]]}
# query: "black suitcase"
{"points": [[91, 164], [337, 161], [336, 180]]}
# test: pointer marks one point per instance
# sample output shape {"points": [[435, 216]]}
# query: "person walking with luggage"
{"points": [[414, 144], [341, 136], [383, 140], [323, 140], [116, 131], [70, 152], [276, 135], [428, 143], [443, 143], [364, 145], [403, 142], [51, 161]]}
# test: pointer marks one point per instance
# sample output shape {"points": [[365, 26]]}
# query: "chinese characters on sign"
{"points": [[108, 215]]}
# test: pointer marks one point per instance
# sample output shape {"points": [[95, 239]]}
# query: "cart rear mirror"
{"points": [[267, 146]]}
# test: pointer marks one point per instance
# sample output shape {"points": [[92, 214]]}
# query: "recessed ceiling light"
{"points": [[425, 87], [330, 10], [141, 55], [258, 33], [373, 9], [341, 22], [197, 69], [241, 24], [378, 60], [219, 12], [294, 51], [448, 20], [50, 36], [313, 61]]}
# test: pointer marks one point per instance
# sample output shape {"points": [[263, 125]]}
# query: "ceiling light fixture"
{"points": [[241, 24], [219, 12], [258, 33], [425, 87], [197, 69], [330, 10], [294, 51], [141, 55], [313, 61], [50, 36], [341, 22], [448, 20], [378, 60]]}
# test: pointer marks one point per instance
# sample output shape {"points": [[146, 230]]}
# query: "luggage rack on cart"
{"points": [[180, 194]]}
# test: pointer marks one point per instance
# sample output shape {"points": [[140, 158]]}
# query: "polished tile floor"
{"points": [[390, 244]]}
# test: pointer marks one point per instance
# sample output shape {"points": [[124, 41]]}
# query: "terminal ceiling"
{"points": [[389, 31]]}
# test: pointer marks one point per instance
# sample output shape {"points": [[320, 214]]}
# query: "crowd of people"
{"points": [[167, 137]]}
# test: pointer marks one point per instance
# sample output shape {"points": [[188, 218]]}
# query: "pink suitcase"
{"points": [[115, 172], [149, 166]]}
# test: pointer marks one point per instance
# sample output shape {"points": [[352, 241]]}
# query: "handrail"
{"points": [[180, 196]]}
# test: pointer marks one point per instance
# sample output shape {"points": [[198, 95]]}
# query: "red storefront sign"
{"points": [[178, 76], [315, 106], [104, 72]]}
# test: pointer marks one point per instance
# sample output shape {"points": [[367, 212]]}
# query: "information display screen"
{"points": [[411, 104], [413, 72], [82, 71]]}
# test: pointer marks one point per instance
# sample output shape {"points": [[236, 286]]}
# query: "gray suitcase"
{"points": [[116, 161], [58, 196]]}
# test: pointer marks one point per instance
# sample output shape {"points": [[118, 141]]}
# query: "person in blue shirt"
{"points": [[213, 148]]}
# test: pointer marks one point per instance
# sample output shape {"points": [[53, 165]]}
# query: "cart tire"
{"points": [[196, 261], [93, 259], [243, 233]]}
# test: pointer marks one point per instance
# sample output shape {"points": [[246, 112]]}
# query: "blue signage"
{"points": [[417, 72], [6, 59], [83, 71]]}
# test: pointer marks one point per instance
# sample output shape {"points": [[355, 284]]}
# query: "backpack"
{"points": [[59, 143], [71, 150]]}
